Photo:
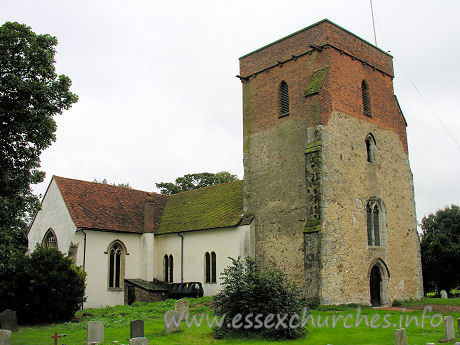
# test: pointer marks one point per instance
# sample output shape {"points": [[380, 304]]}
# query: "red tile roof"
{"points": [[106, 207]]}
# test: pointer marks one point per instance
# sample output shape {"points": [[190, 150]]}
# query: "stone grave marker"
{"points": [[95, 332], [172, 320], [401, 337], [5, 337], [139, 341], [8, 320], [182, 306], [444, 294], [137, 329], [449, 329]]}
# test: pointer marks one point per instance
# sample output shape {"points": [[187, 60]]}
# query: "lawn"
{"points": [[116, 320]]}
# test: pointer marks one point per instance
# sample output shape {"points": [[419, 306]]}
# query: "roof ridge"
{"points": [[212, 186], [108, 184]]}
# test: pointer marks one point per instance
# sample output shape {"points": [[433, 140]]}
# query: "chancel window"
{"points": [[366, 98], [49, 240], [213, 267], [171, 268], [283, 99], [116, 265]]}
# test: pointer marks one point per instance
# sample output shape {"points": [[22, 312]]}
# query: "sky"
{"points": [[158, 97]]}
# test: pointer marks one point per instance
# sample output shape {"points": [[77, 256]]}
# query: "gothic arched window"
{"points": [[375, 222], [166, 268], [171, 268], [370, 148], [283, 99], [366, 98], [50, 240], [207, 268], [213, 267], [116, 265]]}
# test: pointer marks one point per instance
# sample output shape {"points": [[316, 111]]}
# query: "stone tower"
{"points": [[326, 169]]}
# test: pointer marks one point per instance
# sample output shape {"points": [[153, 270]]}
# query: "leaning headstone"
{"points": [[5, 337], [8, 320], [172, 320], [182, 306], [137, 329], [449, 330], [139, 341], [95, 332], [430, 344], [444, 294], [401, 337]]}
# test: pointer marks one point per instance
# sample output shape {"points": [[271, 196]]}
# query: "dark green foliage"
{"points": [[44, 286], [194, 181], [30, 95], [440, 247], [249, 289]]}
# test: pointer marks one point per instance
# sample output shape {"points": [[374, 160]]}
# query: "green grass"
{"points": [[116, 321], [430, 300]]}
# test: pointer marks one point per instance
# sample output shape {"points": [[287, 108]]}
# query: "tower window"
{"points": [[366, 98], [370, 148], [283, 99], [116, 265], [375, 223], [50, 240]]}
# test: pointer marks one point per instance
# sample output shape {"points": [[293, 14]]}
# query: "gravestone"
{"points": [[182, 306], [95, 332], [449, 329], [137, 329], [5, 337], [8, 320], [401, 337], [172, 320], [444, 294], [139, 341]]}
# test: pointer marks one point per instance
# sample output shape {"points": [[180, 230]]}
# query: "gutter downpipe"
{"points": [[181, 258], [84, 257]]}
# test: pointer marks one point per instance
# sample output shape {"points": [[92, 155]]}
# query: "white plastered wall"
{"points": [[227, 242], [54, 215]]}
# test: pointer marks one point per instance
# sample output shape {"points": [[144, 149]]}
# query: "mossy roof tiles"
{"points": [[211, 207]]}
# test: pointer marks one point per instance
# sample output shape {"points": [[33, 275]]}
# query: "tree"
{"points": [[250, 290], [194, 181], [44, 286], [440, 248], [104, 181], [31, 94]]}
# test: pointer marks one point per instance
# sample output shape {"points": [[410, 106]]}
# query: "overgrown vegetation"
{"points": [[248, 289], [44, 286]]}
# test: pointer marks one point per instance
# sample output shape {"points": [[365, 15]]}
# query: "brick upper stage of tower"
{"points": [[317, 36]]}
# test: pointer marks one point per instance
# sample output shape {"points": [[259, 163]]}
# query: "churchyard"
{"points": [[118, 324]]}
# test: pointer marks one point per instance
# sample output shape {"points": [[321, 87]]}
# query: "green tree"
{"points": [[44, 286], [31, 94], [104, 181], [250, 290], [194, 181], [440, 248]]}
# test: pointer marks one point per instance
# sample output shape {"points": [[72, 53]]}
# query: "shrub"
{"points": [[44, 286], [250, 289]]}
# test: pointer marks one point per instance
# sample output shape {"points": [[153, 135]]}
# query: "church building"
{"points": [[327, 194]]}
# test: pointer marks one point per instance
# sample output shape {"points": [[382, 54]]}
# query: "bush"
{"points": [[249, 289], [44, 286]]}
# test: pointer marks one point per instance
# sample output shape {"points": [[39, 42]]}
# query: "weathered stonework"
{"points": [[307, 176]]}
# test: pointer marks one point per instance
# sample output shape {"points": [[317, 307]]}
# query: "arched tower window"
{"points": [[207, 267], [283, 99], [166, 268], [171, 268], [375, 222], [370, 148], [213, 267], [50, 240], [117, 254], [366, 98]]}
